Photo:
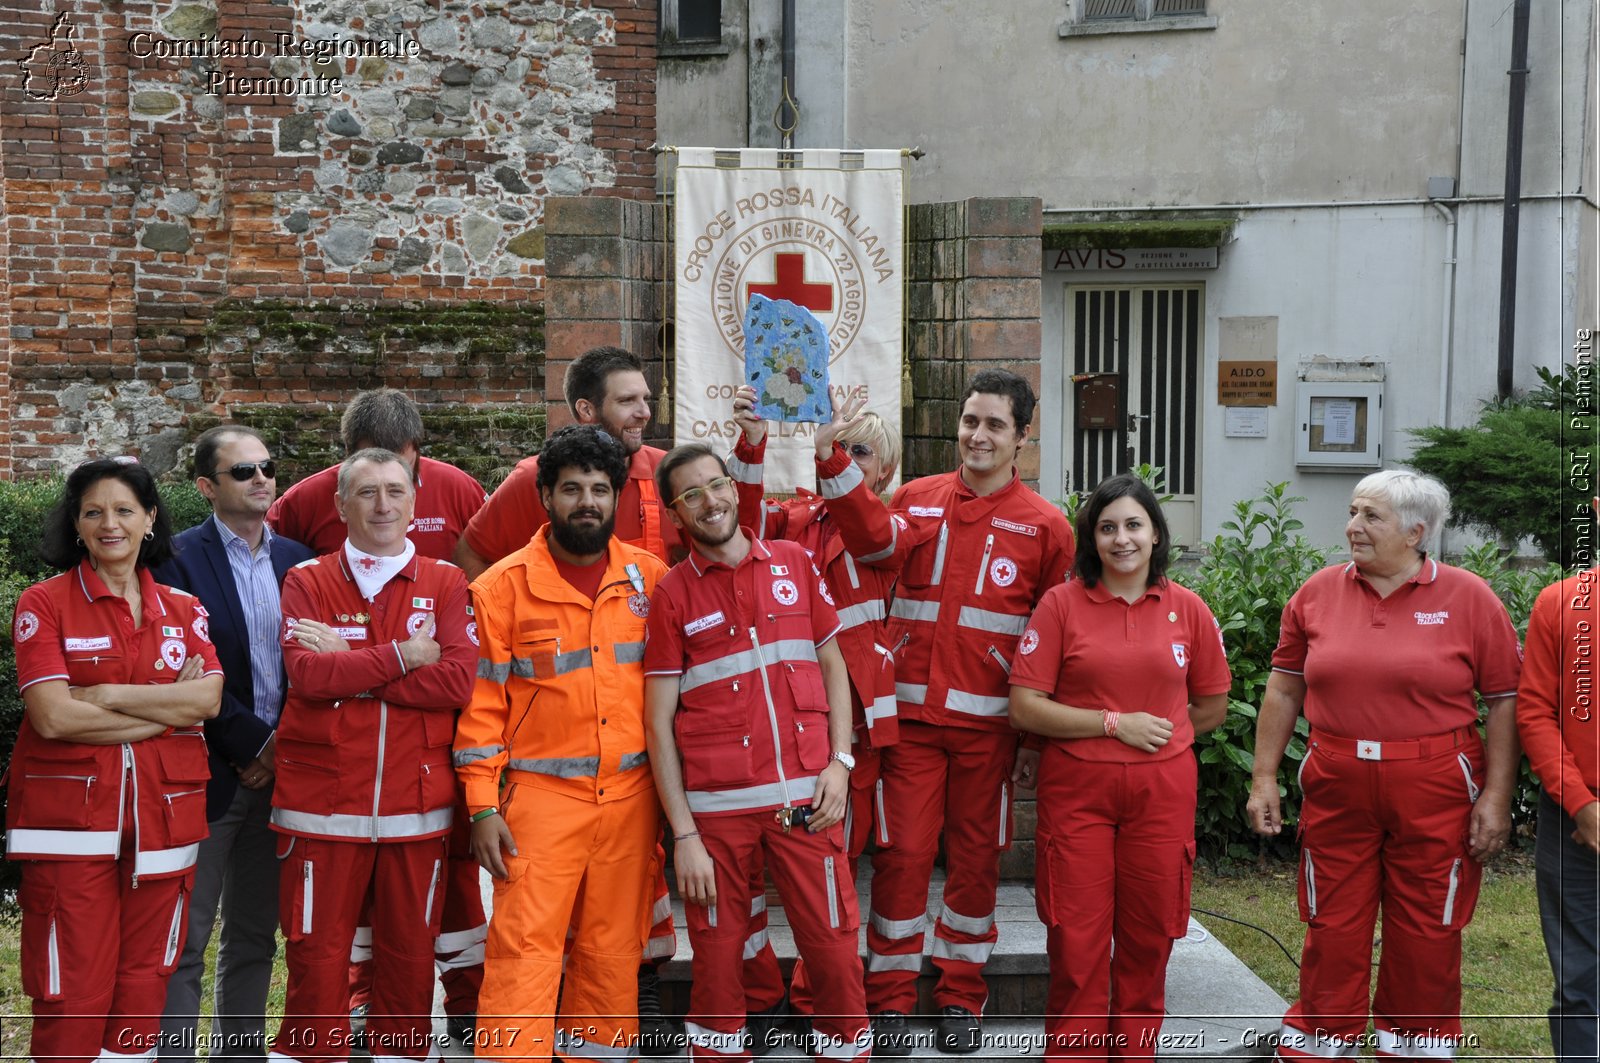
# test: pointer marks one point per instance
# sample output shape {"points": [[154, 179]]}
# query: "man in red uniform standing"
{"points": [[446, 499], [747, 703], [988, 549], [379, 659]]}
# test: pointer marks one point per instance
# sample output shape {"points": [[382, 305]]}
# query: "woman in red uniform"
{"points": [[107, 801], [1400, 800], [1119, 669]]}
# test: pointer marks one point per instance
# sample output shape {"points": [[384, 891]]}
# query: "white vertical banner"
{"points": [[818, 234]]}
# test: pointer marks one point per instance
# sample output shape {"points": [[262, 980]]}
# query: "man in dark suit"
{"points": [[235, 566]]}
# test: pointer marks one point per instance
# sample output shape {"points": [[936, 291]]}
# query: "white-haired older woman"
{"points": [[1402, 796]]}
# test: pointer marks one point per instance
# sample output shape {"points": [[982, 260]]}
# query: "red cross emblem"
{"points": [[790, 283], [367, 563]]}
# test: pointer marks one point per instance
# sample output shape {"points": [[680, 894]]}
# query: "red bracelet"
{"points": [[1108, 720]]}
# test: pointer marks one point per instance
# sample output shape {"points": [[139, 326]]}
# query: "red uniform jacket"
{"points": [[965, 595], [859, 547], [363, 745], [67, 799]]}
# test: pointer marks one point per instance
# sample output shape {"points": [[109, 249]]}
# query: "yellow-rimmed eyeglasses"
{"points": [[695, 497]]}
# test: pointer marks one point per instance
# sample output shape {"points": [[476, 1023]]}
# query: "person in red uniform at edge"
{"points": [[1556, 719], [1118, 670], [606, 386], [379, 658], [747, 702], [551, 750], [1401, 797], [987, 550], [446, 499], [107, 799], [859, 547]]}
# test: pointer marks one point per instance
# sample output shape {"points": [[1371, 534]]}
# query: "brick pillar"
{"points": [[973, 301], [604, 263]]}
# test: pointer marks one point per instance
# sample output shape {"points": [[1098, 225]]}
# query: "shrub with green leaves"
{"points": [[1252, 569]]}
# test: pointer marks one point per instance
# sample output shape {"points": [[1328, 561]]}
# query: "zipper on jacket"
{"points": [[938, 556], [307, 896], [1000, 659], [1450, 895], [132, 774], [850, 569], [833, 893], [983, 566], [377, 779], [181, 793], [174, 932], [1004, 796], [53, 952], [433, 886], [883, 819], [772, 718], [1473, 790], [1311, 884]]}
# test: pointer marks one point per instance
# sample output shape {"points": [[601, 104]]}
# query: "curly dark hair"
{"points": [[586, 446], [59, 544], [1086, 561]]}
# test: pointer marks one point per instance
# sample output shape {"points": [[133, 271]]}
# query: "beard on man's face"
{"points": [[583, 539]]}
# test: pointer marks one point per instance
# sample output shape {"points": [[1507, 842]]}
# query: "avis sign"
{"points": [[824, 237]]}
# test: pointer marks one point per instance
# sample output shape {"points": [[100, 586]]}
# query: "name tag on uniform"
{"points": [[89, 645], [1020, 529], [927, 511], [694, 627], [351, 633]]}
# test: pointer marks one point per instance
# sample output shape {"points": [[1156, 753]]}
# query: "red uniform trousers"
{"points": [[959, 780], [858, 823], [97, 953], [321, 890], [1115, 858], [1390, 833], [567, 846], [458, 950], [820, 900]]}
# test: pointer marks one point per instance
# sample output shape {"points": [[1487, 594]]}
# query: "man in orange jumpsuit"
{"points": [[561, 623]]}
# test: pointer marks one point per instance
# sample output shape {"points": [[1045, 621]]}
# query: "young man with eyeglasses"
{"points": [[859, 547], [747, 701], [235, 565]]}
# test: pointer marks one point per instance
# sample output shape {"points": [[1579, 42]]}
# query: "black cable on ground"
{"points": [[1252, 926]]}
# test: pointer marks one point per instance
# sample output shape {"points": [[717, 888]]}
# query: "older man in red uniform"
{"points": [[988, 550], [748, 707], [379, 658]]}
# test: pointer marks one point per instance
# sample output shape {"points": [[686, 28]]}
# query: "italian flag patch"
{"points": [[172, 632], [422, 603]]}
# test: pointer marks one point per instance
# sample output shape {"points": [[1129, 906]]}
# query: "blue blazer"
{"points": [[200, 566]]}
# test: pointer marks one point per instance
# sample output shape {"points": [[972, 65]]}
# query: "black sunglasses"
{"points": [[246, 470]]}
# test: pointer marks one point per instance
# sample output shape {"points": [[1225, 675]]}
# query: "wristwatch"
{"points": [[846, 759]]}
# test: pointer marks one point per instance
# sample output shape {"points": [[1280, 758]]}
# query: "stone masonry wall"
{"points": [[142, 185]]}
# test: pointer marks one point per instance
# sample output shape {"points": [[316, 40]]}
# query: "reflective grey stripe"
{"points": [[843, 483], [53, 954], [174, 933], [966, 952], [628, 652], [1450, 895], [912, 693], [882, 708], [1005, 807], [839, 1048], [497, 673], [975, 704], [341, 825], [662, 909], [574, 1046], [987, 620], [745, 661], [751, 797], [471, 956], [711, 915], [163, 861], [433, 890], [888, 551], [878, 961], [864, 613], [1311, 883], [850, 570], [559, 767], [758, 904], [833, 892], [660, 947], [883, 817], [744, 471], [630, 761], [522, 667], [914, 609], [454, 941], [726, 1044], [966, 924], [899, 929], [755, 943], [463, 757], [23, 841], [1307, 1045]]}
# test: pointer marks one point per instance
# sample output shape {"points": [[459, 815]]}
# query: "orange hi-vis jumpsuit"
{"points": [[558, 710], [859, 547]]}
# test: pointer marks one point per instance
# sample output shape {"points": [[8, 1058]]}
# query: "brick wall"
{"points": [[972, 300], [134, 200]]}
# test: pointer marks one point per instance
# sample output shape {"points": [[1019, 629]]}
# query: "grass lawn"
{"points": [[1505, 973]]}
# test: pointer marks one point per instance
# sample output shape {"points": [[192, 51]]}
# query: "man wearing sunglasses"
{"points": [[747, 701], [235, 565]]}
